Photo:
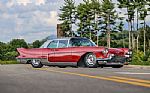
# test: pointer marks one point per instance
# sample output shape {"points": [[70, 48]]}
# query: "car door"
{"points": [[51, 48], [62, 52]]}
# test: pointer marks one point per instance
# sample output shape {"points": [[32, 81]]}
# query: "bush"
{"points": [[11, 55], [138, 58], [8, 62]]}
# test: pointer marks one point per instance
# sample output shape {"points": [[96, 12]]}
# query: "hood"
{"points": [[116, 51]]}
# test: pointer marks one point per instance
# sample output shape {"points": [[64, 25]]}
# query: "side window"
{"points": [[53, 44], [62, 43], [74, 42], [86, 43]]}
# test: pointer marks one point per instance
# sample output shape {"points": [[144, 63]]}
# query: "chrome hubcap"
{"points": [[91, 60], [35, 62]]}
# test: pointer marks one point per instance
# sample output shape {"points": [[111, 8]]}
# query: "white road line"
{"points": [[133, 73]]}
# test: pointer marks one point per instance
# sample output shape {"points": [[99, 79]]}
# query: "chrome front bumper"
{"points": [[112, 60]]}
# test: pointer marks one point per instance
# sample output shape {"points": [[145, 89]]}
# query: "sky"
{"points": [[29, 19]]}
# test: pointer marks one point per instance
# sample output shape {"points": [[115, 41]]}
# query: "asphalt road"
{"points": [[25, 79]]}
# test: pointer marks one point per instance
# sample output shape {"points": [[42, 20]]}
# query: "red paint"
{"points": [[71, 54]]}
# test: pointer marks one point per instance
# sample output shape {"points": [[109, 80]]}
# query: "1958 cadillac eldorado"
{"points": [[75, 51]]}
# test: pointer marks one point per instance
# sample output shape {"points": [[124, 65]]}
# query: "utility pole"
{"points": [[144, 37], [108, 31], [96, 28], [129, 27]]}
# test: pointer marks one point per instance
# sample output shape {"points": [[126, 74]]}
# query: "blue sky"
{"points": [[29, 19]]}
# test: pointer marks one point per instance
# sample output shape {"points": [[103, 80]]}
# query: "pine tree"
{"points": [[129, 5], [143, 14], [68, 17], [108, 17]]}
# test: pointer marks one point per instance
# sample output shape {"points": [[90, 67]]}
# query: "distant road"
{"points": [[22, 78]]}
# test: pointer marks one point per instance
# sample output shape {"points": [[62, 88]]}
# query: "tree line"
{"points": [[8, 51], [95, 19]]}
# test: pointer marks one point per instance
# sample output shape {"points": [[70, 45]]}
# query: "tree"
{"points": [[143, 15], [17, 43], [109, 17], [129, 5], [120, 28], [36, 44], [96, 22], [67, 16], [9, 51], [2, 50], [138, 5], [85, 17]]}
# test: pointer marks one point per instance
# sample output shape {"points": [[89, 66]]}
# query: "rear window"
{"points": [[81, 42]]}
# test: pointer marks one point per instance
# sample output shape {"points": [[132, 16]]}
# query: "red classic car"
{"points": [[75, 51]]}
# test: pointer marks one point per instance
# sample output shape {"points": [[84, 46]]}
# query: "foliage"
{"points": [[68, 17], [8, 62], [8, 51], [36, 44], [17, 43], [10, 55], [138, 58], [147, 36]]}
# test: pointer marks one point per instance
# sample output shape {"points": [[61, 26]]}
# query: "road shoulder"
{"points": [[137, 66]]}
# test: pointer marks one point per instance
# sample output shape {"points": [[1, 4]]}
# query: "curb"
{"points": [[137, 66]]}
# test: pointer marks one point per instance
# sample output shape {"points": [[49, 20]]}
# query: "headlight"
{"points": [[110, 56], [105, 51], [130, 53]]}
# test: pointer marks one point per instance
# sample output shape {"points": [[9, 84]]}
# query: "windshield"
{"points": [[45, 44], [81, 42]]}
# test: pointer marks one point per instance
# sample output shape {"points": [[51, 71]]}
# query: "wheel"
{"points": [[102, 66], [28, 62], [117, 66], [36, 63], [90, 60]]}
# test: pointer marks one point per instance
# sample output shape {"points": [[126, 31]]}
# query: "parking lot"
{"points": [[22, 78]]}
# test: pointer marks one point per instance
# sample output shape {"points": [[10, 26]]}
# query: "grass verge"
{"points": [[8, 62], [143, 63]]}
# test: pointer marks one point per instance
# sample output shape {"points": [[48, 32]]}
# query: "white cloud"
{"points": [[28, 19], [53, 19], [10, 4], [40, 2], [23, 2]]}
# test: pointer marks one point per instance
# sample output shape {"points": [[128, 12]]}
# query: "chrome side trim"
{"points": [[46, 62], [22, 60]]}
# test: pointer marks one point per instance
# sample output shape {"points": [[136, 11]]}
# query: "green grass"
{"points": [[8, 62], [143, 63]]}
